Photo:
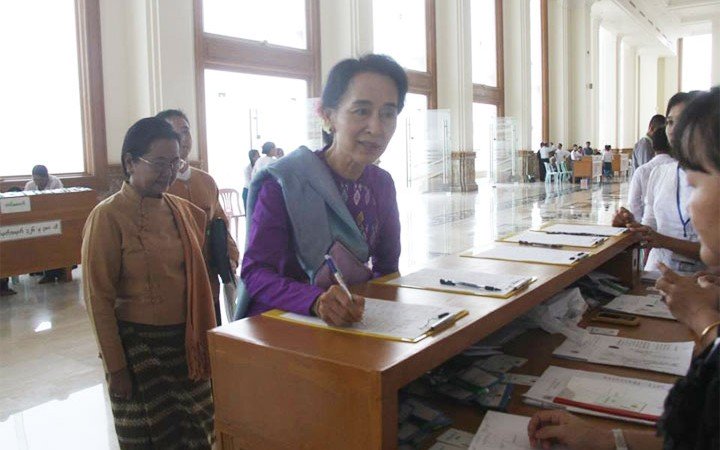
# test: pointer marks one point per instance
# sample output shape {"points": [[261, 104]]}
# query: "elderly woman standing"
{"points": [[149, 300], [334, 201]]}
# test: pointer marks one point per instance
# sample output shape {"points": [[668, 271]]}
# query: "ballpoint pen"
{"points": [[338, 276], [539, 244], [445, 282]]}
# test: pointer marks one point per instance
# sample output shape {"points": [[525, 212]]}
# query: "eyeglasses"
{"points": [[173, 165]]}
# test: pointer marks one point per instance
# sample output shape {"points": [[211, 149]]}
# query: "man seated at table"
{"points": [[42, 180]]}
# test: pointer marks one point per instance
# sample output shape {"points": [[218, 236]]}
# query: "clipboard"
{"points": [[540, 239], [389, 320], [531, 255], [428, 279]]}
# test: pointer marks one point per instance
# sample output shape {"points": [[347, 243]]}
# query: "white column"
{"points": [[647, 95], [628, 96], [594, 64], [516, 38], [579, 72], [558, 70], [715, 77]]}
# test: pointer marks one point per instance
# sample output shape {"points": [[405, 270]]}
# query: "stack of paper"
{"points": [[500, 431], [665, 357], [530, 254], [642, 305], [547, 239], [584, 230], [600, 394], [386, 319], [463, 282]]}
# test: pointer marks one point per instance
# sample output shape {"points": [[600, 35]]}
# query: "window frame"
{"points": [[494, 95], [92, 103], [425, 83], [218, 52]]}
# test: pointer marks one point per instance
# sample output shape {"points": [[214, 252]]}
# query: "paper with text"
{"points": [[651, 305], [530, 254], [384, 319], [501, 431], [665, 357], [579, 229]]}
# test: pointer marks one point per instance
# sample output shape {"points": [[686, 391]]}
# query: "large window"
{"points": [[256, 71], [399, 31], [487, 77], [52, 99], [258, 20], [696, 51]]}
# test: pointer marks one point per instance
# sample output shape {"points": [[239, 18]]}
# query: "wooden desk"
{"points": [[285, 386], [34, 254], [588, 167]]}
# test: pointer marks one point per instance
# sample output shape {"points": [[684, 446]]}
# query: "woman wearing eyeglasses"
{"points": [[149, 299]]}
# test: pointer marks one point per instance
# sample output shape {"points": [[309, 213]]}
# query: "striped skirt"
{"points": [[167, 410]]}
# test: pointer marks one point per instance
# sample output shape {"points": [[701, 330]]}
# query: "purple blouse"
{"points": [[270, 269]]}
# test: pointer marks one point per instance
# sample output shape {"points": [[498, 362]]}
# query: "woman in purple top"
{"points": [[360, 104]]}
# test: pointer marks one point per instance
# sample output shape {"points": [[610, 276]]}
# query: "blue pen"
{"points": [[338, 276]]}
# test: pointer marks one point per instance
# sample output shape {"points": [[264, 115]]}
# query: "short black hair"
{"points": [[660, 141], [266, 147], [608, 147], [40, 171], [252, 153], [170, 113], [341, 74], [680, 97], [142, 134], [658, 120], [697, 135]]}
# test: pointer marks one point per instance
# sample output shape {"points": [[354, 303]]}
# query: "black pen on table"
{"points": [[445, 282], [539, 244]]}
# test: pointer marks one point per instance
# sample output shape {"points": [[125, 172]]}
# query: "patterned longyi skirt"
{"points": [[167, 410]]}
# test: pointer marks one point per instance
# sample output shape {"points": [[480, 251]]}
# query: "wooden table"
{"points": [[286, 386], [35, 254]]}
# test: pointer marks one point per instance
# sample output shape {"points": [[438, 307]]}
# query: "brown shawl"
{"points": [[191, 222]]}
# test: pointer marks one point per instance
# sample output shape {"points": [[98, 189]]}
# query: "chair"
{"points": [[551, 172], [230, 201], [565, 173]]}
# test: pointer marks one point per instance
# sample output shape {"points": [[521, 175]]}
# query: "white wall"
{"points": [[715, 77], [648, 93], [667, 81], [627, 134]]}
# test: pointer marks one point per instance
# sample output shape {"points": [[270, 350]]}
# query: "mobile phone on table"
{"points": [[616, 318]]}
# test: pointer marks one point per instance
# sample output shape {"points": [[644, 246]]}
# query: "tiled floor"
{"points": [[52, 392]]}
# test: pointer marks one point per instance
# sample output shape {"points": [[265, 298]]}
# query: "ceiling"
{"points": [[655, 25]]}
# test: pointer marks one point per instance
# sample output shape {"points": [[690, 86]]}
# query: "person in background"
{"points": [[576, 154], [607, 162], [279, 153], [691, 419], [643, 150], [587, 150], [199, 188], [253, 156], [269, 156], [42, 180], [561, 154], [638, 183], [334, 201], [148, 298], [665, 226], [543, 157]]}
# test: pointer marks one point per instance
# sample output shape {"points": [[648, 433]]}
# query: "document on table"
{"points": [[584, 230], [600, 394], [530, 254], [386, 319], [651, 305], [463, 279], [665, 357], [541, 239], [501, 431]]}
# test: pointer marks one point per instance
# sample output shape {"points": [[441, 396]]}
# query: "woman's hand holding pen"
{"points": [[336, 308]]}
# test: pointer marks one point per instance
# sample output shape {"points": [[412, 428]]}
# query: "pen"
{"points": [[538, 244], [442, 323], [466, 284], [338, 276]]}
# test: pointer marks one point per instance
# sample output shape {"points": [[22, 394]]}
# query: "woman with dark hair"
{"points": [[664, 225], [148, 297], [691, 420], [334, 201]]}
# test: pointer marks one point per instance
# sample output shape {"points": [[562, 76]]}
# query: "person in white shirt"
{"points": [[42, 180], [544, 156], [561, 154], [576, 154], [665, 225], [639, 181], [607, 158], [269, 156], [253, 155]]}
